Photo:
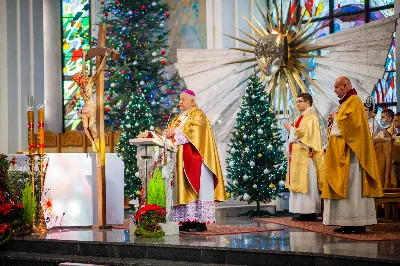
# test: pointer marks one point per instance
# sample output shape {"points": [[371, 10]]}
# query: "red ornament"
{"points": [[108, 109], [169, 91], [126, 21], [163, 52], [162, 62], [128, 45], [123, 72], [166, 116], [143, 7], [117, 122], [117, 2], [142, 22], [102, 2], [105, 14], [167, 15]]}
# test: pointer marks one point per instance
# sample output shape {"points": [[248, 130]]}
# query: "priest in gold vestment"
{"points": [[306, 163], [351, 173], [198, 177]]}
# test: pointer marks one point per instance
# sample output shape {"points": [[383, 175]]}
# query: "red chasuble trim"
{"points": [[192, 164], [291, 146]]}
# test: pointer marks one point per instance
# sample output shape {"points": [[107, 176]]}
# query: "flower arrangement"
{"points": [[147, 221], [11, 218], [17, 205]]}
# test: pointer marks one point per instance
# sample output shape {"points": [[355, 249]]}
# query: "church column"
{"points": [[51, 21], [3, 78]]}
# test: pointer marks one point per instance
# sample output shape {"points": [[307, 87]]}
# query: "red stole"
{"points": [[296, 125], [348, 94], [192, 165]]}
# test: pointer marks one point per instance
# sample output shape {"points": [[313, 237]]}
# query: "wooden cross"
{"points": [[99, 52]]}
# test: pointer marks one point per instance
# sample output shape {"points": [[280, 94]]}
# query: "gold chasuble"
{"points": [[356, 137], [197, 130], [309, 134]]}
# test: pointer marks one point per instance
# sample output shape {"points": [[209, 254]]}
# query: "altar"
{"points": [[70, 193]]}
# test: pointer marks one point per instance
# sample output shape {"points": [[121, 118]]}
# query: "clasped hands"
{"points": [[331, 117], [287, 126], [169, 132]]}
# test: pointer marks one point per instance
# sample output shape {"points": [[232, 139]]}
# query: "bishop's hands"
{"points": [[331, 116], [169, 132], [287, 126]]}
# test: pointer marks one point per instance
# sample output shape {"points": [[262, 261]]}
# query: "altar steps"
{"points": [[40, 259], [48, 252]]}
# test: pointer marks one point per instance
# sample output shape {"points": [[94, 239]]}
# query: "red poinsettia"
{"points": [[4, 227], [149, 216]]}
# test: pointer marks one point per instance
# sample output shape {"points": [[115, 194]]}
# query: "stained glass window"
{"points": [[347, 22], [377, 3], [348, 6], [385, 91], [375, 15], [315, 8], [76, 36]]}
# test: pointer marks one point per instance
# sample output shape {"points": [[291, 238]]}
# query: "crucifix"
{"points": [[95, 131]]}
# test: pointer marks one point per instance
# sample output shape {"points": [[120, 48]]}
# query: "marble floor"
{"points": [[289, 239]]}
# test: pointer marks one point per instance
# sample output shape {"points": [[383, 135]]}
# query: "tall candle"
{"points": [[40, 142], [31, 130]]}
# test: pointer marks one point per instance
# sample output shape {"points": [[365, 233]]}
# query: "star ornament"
{"points": [[279, 47], [48, 204]]}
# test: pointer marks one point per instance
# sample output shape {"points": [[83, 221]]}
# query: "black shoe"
{"points": [[355, 230], [350, 230], [339, 230], [201, 227], [183, 227], [311, 217]]}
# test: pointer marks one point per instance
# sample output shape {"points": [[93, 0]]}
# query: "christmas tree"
{"points": [[257, 163], [137, 119], [137, 29]]}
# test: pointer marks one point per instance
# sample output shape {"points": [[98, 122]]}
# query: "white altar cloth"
{"points": [[71, 183]]}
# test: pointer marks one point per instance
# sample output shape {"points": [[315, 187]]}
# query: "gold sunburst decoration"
{"points": [[279, 48]]}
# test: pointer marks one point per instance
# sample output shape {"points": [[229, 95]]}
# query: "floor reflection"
{"points": [[289, 239]]}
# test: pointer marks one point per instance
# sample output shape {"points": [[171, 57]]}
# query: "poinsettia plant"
{"points": [[15, 218], [148, 219], [11, 217]]}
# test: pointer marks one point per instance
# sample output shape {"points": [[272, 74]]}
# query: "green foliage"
{"points": [[137, 119], [138, 30], [29, 202], [142, 232], [4, 165], [156, 189], [256, 162]]}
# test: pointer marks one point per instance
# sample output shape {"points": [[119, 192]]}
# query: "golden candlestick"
{"points": [[41, 228], [40, 148]]}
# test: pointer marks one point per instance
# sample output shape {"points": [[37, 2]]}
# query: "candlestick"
{"points": [[31, 131], [41, 228], [40, 141]]}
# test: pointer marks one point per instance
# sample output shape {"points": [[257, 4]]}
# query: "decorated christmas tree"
{"points": [[257, 164], [137, 29], [137, 118]]}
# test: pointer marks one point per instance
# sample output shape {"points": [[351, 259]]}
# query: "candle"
{"points": [[31, 131], [40, 142]]}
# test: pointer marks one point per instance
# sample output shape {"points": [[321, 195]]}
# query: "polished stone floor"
{"points": [[289, 239]]}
